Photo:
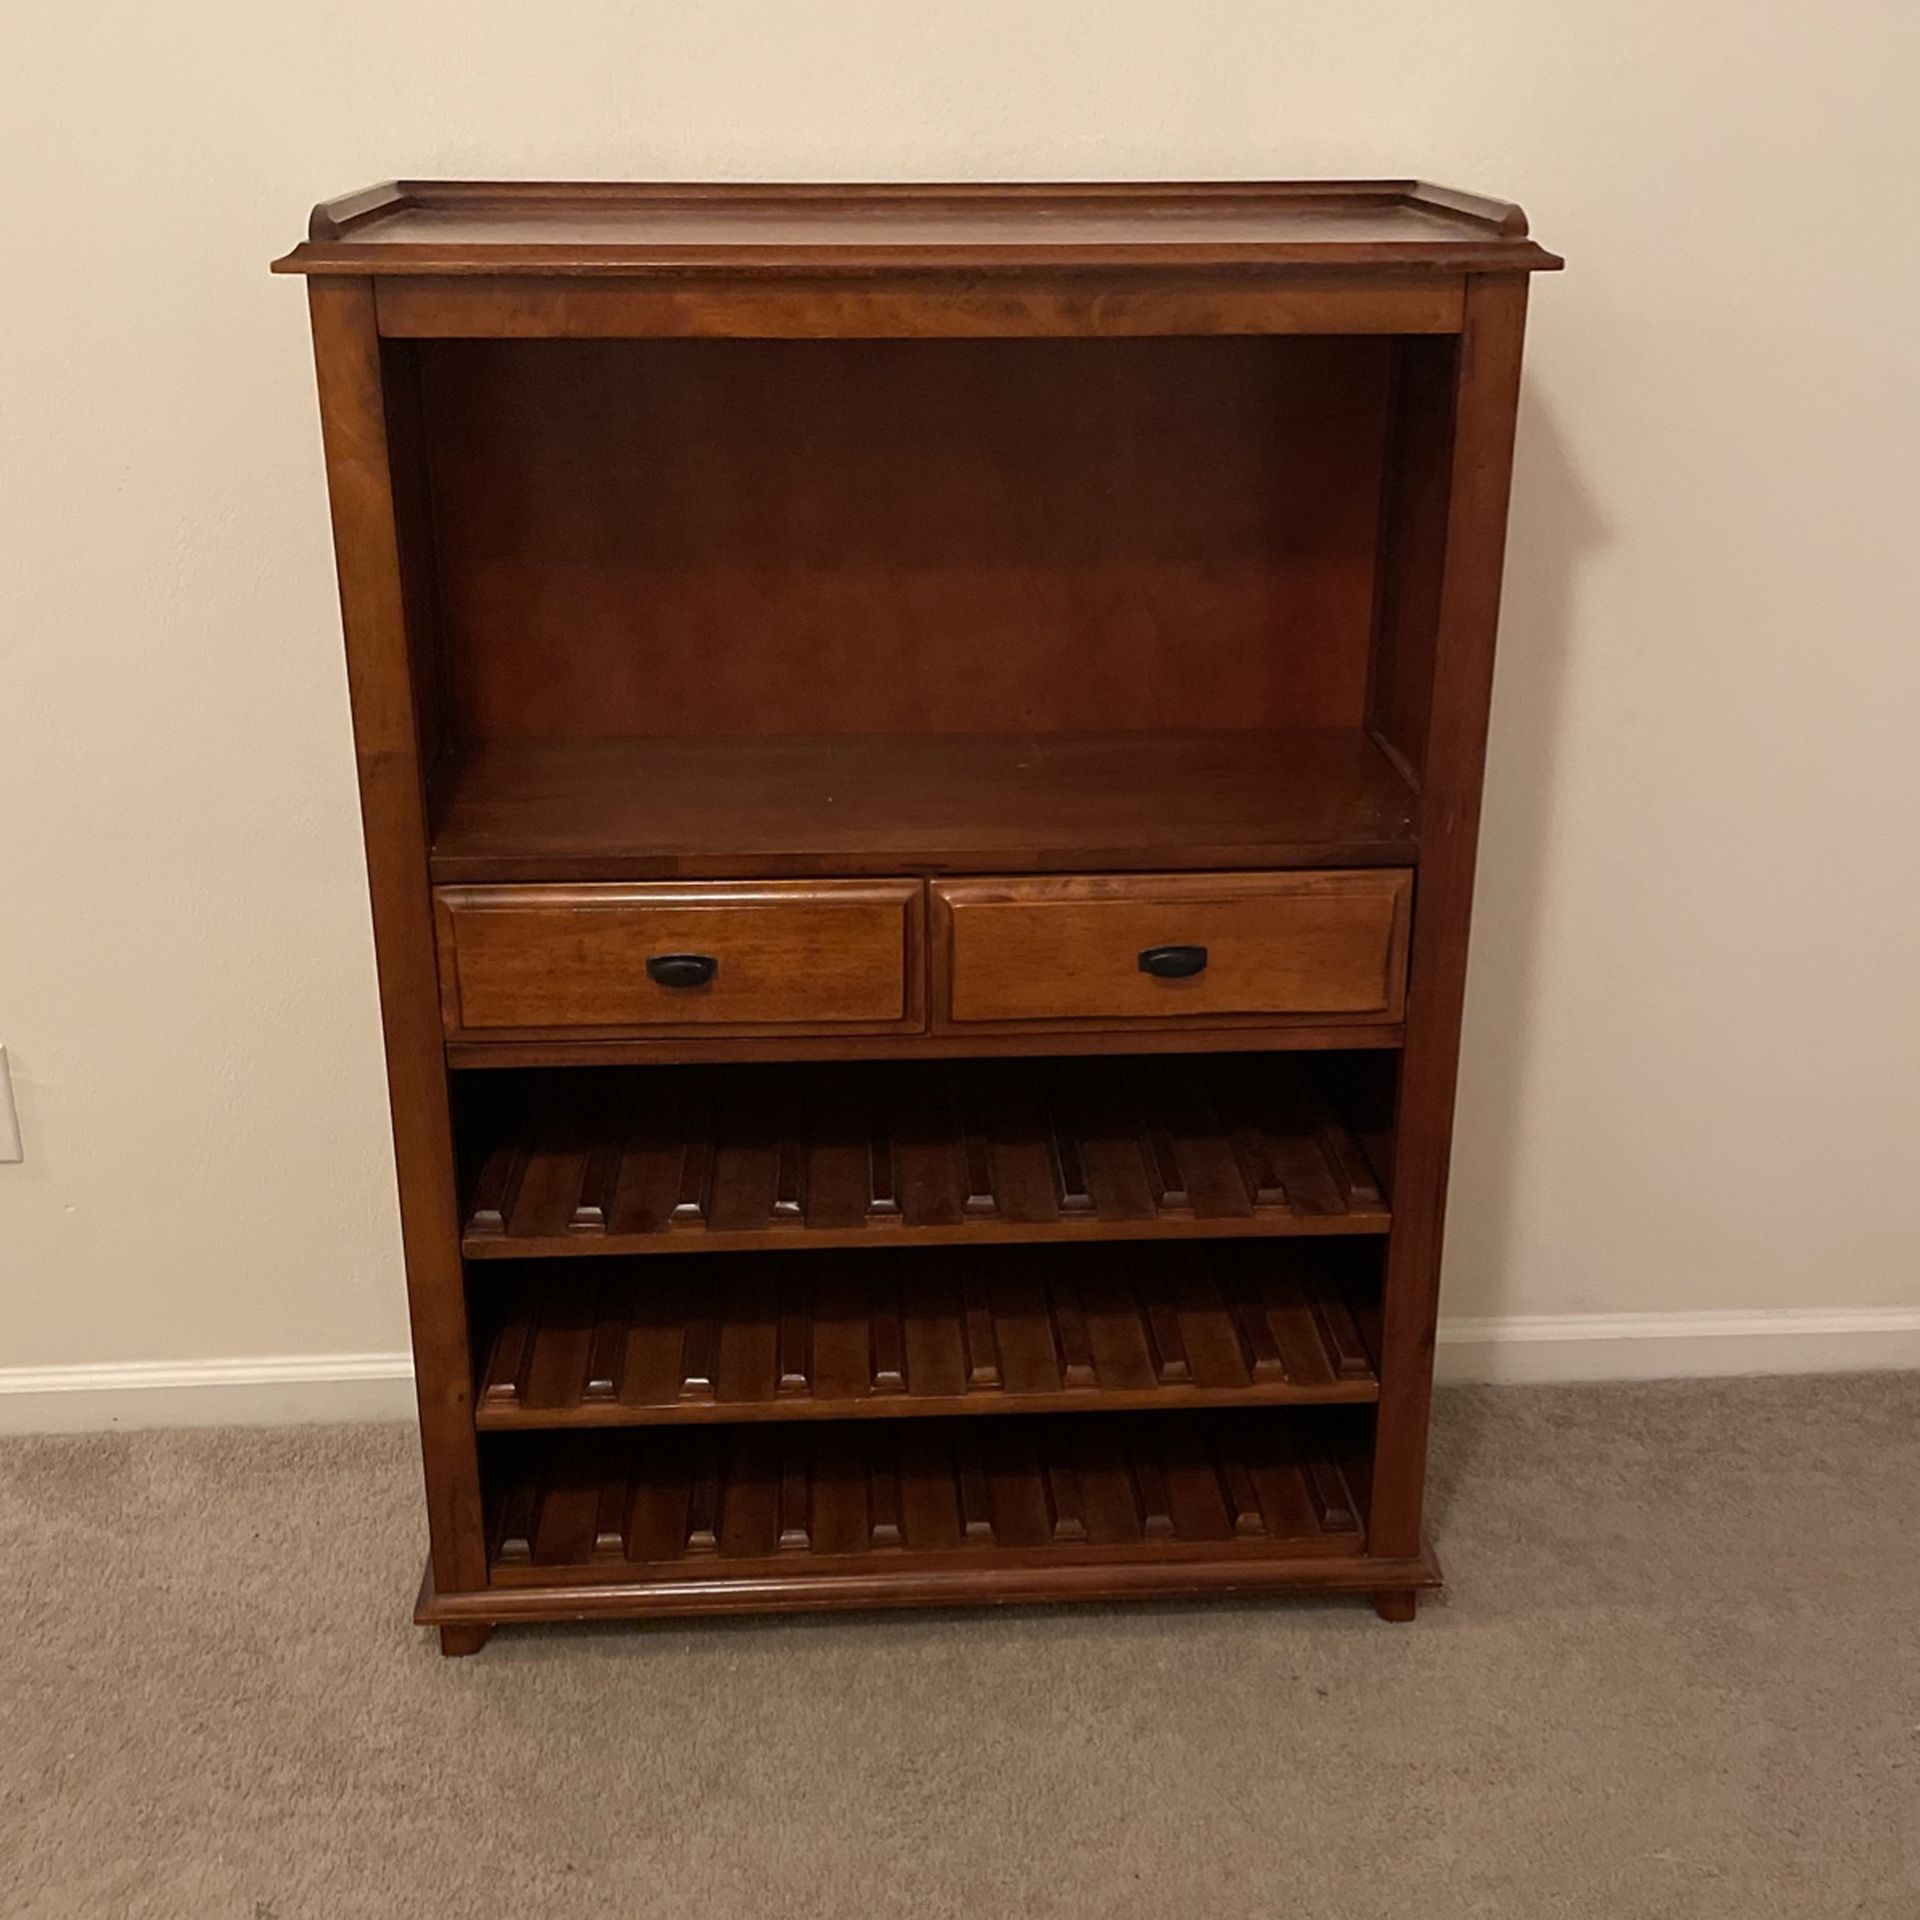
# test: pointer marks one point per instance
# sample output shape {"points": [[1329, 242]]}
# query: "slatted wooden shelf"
{"points": [[678, 1159], [749, 1337], [901, 1509]]}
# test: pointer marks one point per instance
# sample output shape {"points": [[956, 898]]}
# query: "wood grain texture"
{"points": [[927, 802], [805, 955], [1026, 1579], [1042, 954], [1104, 560], [921, 305], [706, 1159], [1477, 457], [809, 1337], [607, 227], [1413, 548], [812, 1501], [704, 538], [1117, 1041], [382, 682]]}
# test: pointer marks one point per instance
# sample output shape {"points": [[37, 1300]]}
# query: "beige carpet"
{"points": [[1676, 1674]]}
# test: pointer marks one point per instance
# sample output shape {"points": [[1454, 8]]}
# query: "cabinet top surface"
{"points": [[602, 227]]}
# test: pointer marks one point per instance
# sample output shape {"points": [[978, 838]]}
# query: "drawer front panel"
{"points": [[1171, 949], [793, 956]]}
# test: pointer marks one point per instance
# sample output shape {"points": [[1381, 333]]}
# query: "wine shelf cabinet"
{"points": [[920, 751]]}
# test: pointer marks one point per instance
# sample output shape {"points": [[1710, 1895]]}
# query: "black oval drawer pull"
{"points": [[682, 969], [1173, 963]]}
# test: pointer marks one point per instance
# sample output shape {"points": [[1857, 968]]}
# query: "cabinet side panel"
{"points": [[413, 526], [373, 605], [1413, 546], [1466, 601]]}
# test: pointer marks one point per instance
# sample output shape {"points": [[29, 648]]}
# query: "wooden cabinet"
{"points": [[920, 751]]}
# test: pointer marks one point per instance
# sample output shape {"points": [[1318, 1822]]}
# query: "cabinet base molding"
{"points": [[1385, 1581]]}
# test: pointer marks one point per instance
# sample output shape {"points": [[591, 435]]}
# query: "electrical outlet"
{"points": [[10, 1147]]}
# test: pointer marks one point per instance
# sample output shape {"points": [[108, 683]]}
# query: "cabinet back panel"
{"points": [[771, 537]]}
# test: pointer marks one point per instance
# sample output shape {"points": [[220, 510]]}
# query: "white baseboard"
{"points": [[1538, 1349], [272, 1391], [1532, 1349]]}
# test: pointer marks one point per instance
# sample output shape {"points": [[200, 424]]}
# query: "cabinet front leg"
{"points": [[463, 1639], [1397, 1604]]}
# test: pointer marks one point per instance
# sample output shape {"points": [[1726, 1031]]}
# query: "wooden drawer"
{"points": [[839, 956], [1170, 949]]}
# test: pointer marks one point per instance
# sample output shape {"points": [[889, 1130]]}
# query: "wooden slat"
{"points": [[943, 1331], [1119, 1487], [729, 1158]]}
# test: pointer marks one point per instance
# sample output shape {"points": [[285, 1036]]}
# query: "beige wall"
{"points": [[1694, 1065]]}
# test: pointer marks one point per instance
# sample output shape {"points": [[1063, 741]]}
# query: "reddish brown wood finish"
{"points": [[1032, 547], [1477, 459], [439, 227], [835, 537], [608, 1592], [829, 1503], [888, 803], [1041, 956], [699, 1160], [782, 956], [374, 607], [1278, 1036], [922, 305], [1025, 1330]]}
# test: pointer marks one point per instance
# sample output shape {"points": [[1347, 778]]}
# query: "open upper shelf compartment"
{"points": [[750, 607]]}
